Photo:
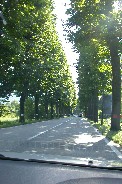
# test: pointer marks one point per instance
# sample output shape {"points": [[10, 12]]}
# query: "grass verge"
{"points": [[115, 136], [6, 122], [10, 122]]}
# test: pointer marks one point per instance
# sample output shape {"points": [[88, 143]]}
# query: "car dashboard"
{"points": [[32, 172]]}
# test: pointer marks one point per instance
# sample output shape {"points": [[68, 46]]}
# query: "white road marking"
{"points": [[110, 143], [43, 132], [8, 132]]}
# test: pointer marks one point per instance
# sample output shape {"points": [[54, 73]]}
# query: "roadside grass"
{"points": [[9, 121], [115, 136], [13, 121]]}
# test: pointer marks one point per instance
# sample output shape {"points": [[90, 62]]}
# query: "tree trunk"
{"points": [[46, 109], [22, 101], [113, 44], [1, 25], [60, 108], [52, 110], [90, 108], [69, 110], [116, 86], [85, 111], [57, 110], [102, 114], [36, 106], [96, 106]]}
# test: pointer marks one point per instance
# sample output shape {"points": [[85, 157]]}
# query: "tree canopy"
{"points": [[33, 63], [94, 27]]}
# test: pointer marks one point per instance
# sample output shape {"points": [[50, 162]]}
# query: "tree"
{"points": [[36, 66], [94, 77], [97, 19]]}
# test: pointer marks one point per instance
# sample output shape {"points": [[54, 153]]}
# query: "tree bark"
{"points": [[36, 106], [90, 108], [52, 110], [1, 25], [60, 108], [102, 113], [96, 106], [116, 84], [113, 44], [22, 101], [57, 110], [46, 109], [85, 111]]}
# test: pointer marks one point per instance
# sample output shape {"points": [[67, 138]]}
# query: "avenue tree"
{"points": [[33, 62], [100, 20]]}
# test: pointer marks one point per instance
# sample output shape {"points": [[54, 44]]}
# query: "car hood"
{"points": [[62, 159]]}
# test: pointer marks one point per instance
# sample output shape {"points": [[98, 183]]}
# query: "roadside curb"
{"points": [[114, 146]]}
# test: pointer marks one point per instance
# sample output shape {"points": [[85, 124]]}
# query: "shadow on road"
{"points": [[76, 139]]}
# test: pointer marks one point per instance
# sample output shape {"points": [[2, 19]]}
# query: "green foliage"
{"points": [[10, 122], [95, 30], [115, 136], [29, 108], [3, 110], [9, 109], [33, 62]]}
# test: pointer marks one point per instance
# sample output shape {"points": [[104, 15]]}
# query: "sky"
{"points": [[61, 16]]}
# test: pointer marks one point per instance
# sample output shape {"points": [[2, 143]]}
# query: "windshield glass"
{"points": [[61, 80]]}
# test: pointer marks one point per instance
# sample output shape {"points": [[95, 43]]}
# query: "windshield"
{"points": [[61, 80]]}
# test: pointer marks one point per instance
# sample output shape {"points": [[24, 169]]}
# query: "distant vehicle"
{"points": [[80, 115], [75, 115]]}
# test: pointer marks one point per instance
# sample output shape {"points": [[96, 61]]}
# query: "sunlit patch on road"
{"points": [[86, 138], [76, 138], [8, 133], [42, 127]]}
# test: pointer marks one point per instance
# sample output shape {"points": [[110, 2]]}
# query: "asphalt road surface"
{"points": [[72, 136]]}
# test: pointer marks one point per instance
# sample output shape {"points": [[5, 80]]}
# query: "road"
{"points": [[72, 136]]}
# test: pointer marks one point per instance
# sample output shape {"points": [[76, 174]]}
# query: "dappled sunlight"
{"points": [[86, 126], [42, 126], [68, 127], [73, 123], [8, 132], [87, 138], [54, 130], [51, 136], [111, 143], [76, 139], [34, 151]]}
